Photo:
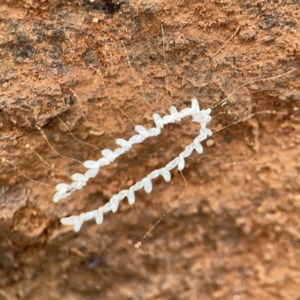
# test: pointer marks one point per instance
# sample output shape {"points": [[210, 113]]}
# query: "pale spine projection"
{"points": [[79, 180]]}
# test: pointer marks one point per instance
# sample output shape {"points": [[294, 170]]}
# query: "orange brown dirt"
{"points": [[97, 69]]}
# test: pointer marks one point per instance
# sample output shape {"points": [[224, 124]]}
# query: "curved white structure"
{"points": [[79, 180]]}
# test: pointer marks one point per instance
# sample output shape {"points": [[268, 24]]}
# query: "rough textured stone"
{"points": [[234, 233]]}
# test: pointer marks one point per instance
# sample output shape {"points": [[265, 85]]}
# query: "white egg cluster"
{"points": [[80, 180]]}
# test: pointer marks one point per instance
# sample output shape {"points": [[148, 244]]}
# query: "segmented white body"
{"points": [[79, 180]]}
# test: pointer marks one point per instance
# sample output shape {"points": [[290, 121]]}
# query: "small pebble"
{"points": [[210, 142]]}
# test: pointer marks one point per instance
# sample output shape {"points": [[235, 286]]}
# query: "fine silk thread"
{"points": [[79, 180]]}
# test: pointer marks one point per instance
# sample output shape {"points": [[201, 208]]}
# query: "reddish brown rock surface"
{"points": [[234, 233]]}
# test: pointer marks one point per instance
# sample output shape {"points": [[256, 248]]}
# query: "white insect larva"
{"points": [[114, 201], [119, 151], [99, 216], [69, 221], [154, 131], [138, 186], [136, 139], [198, 148], [172, 164], [103, 161], [57, 196], [168, 119], [91, 164], [107, 207], [187, 151], [124, 144], [185, 112], [147, 185], [200, 138], [153, 175], [195, 105], [131, 197], [88, 215], [175, 113], [141, 130], [62, 187], [79, 177], [110, 155], [91, 173], [122, 194], [165, 174], [206, 131], [181, 163], [158, 121], [78, 225]]}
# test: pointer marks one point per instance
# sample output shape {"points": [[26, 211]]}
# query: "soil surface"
{"points": [[76, 74]]}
